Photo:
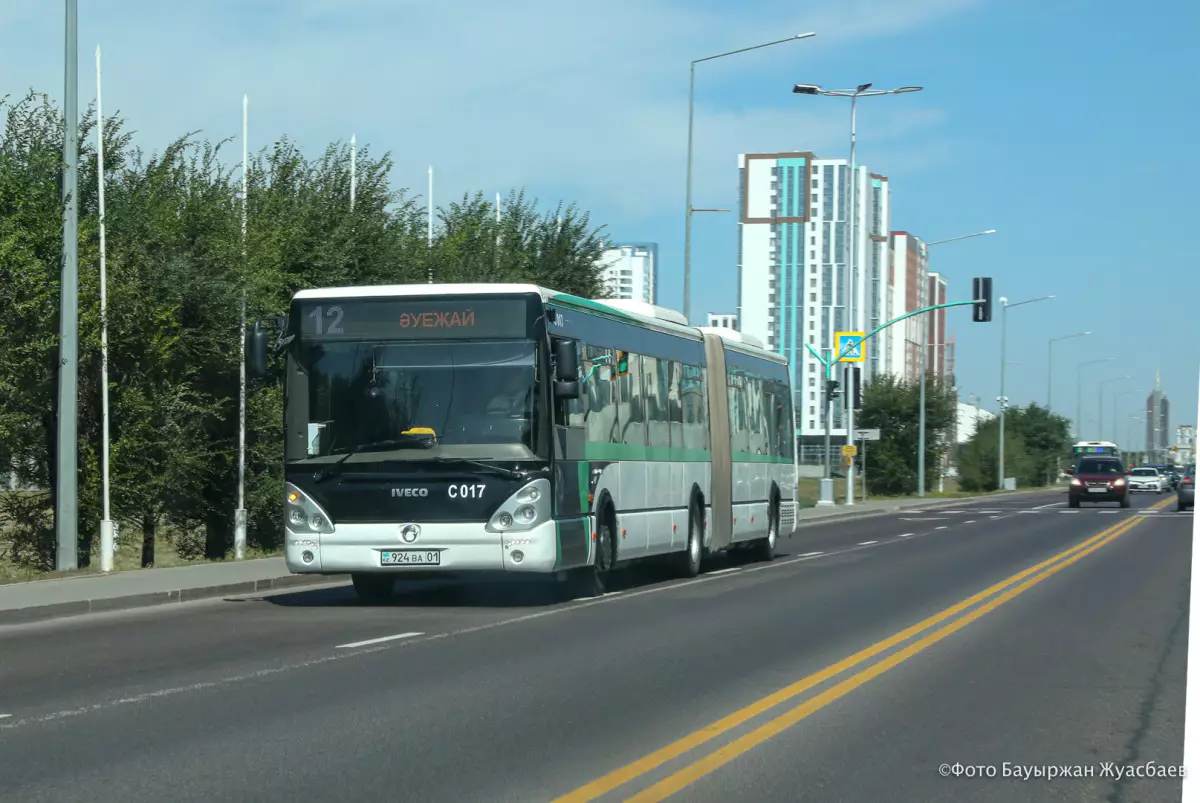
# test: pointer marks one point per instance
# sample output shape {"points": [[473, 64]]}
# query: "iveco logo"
{"points": [[401, 492], [409, 533]]}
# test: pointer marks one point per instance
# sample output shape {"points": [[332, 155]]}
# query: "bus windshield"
{"points": [[405, 400]]}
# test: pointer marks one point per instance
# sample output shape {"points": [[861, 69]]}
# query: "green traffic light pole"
{"points": [[828, 365]]}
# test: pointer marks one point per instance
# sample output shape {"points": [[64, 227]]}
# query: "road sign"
{"points": [[850, 450], [866, 434], [849, 346]]}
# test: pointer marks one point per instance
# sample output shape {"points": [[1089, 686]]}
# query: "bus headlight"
{"points": [[524, 510], [303, 514]]}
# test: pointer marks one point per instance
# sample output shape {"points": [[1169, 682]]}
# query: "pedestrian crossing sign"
{"points": [[850, 347]]}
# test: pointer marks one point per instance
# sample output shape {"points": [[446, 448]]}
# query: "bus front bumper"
{"points": [[432, 549]]}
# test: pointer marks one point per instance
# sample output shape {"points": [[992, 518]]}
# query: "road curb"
{"points": [[58, 610], [854, 515]]}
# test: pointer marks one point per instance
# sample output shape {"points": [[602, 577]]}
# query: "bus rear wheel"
{"points": [[764, 548], [688, 563], [373, 588]]}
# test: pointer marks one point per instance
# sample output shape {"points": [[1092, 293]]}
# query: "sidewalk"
{"points": [[38, 600]]}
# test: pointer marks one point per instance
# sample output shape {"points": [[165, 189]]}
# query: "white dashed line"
{"points": [[726, 571], [1068, 511], [972, 521], [5, 716], [904, 535], [379, 640], [940, 528], [867, 543], [811, 554], [1043, 507]]}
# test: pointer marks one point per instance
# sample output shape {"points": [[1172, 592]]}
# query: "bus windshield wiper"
{"points": [[414, 440], [511, 474]]}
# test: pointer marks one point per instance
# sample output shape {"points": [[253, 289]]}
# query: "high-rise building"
{"points": [[909, 289], [793, 282], [935, 335], [723, 320], [630, 271], [1158, 410]]}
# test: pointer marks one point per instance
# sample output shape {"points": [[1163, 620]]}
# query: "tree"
{"points": [[178, 270], [1046, 436], [893, 407], [979, 456]]}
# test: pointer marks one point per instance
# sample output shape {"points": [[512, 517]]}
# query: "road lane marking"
{"points": [[1043, 507], [5, 716], [904, 535], [867, 543], [624, 775], [693, 772], [971, 521], [725, 571], [379, 640], [942, 527], [810, 554]]}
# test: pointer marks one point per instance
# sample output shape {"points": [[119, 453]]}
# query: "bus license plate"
{"points": [[411, 557]]}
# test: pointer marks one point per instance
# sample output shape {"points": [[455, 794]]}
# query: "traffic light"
{"points": [[854, 386], [622, 363], [981, 289], [831, 387]]}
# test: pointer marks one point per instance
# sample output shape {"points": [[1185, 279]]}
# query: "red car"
{"points": [[1098, 479]]}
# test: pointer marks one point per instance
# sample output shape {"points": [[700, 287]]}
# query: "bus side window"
{"points": [[675, 403], [577, 409]]}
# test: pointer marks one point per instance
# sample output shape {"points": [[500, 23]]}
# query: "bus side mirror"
{"points": [[258, 341], [566, 369]]}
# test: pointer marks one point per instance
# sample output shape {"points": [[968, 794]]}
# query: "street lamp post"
{"points": [[1116, 416], [1050, 364], [1004, 307], [687, 235], [1100, 398], [1079, 393], [923, 346], [852, 310]]}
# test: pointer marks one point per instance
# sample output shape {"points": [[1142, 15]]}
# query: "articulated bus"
{"points": [[475, 428]]}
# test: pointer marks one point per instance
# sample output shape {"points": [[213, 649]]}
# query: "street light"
{"points": [[852, 311], [1004, 307], [1050, 366], [1116, 417], [923, 348], [1100, 412], [687, 236], [1079, 393]]}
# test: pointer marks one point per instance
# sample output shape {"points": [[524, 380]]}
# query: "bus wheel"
{"points": [[373, 588], [764, 548], [590, 581], [688, 563]]}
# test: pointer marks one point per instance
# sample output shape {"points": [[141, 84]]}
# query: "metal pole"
{"points": [[239, 515], [921, 414], [852, 288], [106, 524], [828, 416], [1079, 401], [66, 513], [687, 226], [429, 234], [1049, 375], [1003, 400], [353, 169]]}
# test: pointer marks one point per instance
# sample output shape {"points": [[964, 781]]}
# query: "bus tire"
{"points": [[688, 563], [764, 548], [373, 589], [591, 581]]}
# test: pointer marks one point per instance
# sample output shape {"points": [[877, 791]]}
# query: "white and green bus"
{"points": [[463, 429]]}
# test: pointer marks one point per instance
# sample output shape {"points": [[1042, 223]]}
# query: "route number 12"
{"points": [[335, 327]]}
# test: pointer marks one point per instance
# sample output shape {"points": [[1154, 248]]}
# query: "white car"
{"points": [[1145, 478]]}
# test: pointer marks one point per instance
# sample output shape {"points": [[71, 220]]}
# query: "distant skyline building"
{"points": [[630, 271], [723, 320], [935, 337], [1157, 421], [793, 253]]}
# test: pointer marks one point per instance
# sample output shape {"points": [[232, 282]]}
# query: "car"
{"points": [[1186, 499], [1098, 479], [1146, 478]]}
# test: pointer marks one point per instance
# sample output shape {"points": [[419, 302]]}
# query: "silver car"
{"points": [[1146, 478]]}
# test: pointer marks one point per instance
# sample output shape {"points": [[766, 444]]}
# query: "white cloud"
{"points": [[585, 99]]}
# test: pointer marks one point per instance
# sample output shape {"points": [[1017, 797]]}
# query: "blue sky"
{"points": [[1061, 123]]}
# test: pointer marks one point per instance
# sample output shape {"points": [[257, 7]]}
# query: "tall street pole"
{"points": [[1050, 365], [1079, 394], [239, 515], [687, 230], [1004, 307], [66, 508]]}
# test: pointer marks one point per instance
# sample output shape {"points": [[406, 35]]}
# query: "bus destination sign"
{"points": [[414, 319]]}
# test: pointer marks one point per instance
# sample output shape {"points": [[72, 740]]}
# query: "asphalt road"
{"points": [[801, 679]]}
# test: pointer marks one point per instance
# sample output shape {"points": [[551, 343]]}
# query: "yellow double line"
{"points": [[1000, 593]]}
